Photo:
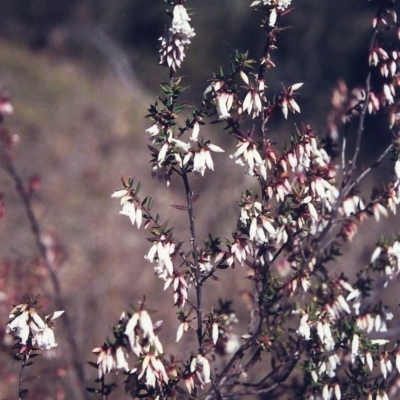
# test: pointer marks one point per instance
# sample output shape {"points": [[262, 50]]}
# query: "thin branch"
{"points": [[36, 232], [369, 169], [193, 240]]}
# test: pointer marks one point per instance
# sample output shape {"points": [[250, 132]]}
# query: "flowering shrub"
{"points": [[313, 332]]}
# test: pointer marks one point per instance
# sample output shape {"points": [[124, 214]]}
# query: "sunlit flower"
{"points": [[172, 49], [280, 4], [44, 338], [224, 103], [201, 366], [252, 103], [202, 158], [110, 358]]}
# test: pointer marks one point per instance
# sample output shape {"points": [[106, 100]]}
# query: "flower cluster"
{"points": [[31, 330], [172, 49], [134, 333], [307, 202]]}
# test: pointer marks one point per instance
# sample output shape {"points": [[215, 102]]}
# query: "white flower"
{"points": [[19, 327], [172, 49], [215, 331], [44, 337], [202, 158], [162, 249], [252, 102], [183, 328], [304, 328], [224, 103], [154, 130], [281, 4], [201, 366], [195, 132], [355, 343]]}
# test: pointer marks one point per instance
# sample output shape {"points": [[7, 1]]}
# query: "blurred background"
{"points": [[81, 75]]}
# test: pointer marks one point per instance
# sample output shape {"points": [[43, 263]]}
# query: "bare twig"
{"points": [[25, 198], [193, 240]]}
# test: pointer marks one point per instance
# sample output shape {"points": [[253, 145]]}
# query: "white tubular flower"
{"points": [[281, 4], [172, 49], [304, 328], [215, 331], [162, 249], [154, 369], [19, 327], [128, 209], [110, 359], [195, 132], [44, 338], [183, 328], [355, 344], [202, 158], [252, 102], [128, 206], [201, 366], [338, 393], [121, 359], [142, 320], [397, 359], [247, 153], [369, 360], [224, 103], [351, 205], [154, 130]]}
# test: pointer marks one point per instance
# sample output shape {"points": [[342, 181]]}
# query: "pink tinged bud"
{"points": [[292, 160], [215, 331]]}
